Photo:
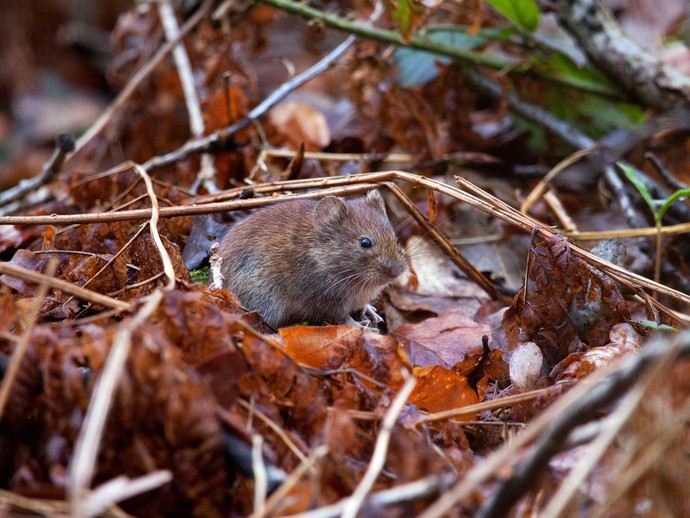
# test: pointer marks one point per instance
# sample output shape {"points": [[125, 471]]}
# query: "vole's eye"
{"points": [[366, 242]]}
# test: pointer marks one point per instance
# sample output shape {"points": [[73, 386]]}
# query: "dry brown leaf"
{"points": [[445, 340], [566, 307], [322, 348], [300, 123], [440, 389]]}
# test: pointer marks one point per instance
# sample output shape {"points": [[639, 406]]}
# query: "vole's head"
{"points": [[355, 242]]}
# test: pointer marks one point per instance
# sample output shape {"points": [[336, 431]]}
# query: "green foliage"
{"points": [[523, 13], [200, 275], [658, 207], [418, 67], [657, 327]]}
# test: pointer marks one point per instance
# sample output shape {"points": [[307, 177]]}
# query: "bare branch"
{"points": [[654, 83]]}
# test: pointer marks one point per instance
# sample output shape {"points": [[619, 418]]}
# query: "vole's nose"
{"points": [[393, 268]]}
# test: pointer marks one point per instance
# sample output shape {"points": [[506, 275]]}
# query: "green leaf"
{"points": [[640, 186], [524, 13], [668, 202], [659, 327], [417, 67], [404, 12]]}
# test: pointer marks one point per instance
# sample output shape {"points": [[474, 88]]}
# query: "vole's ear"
{"points": [[374, 199], [330, 210]]}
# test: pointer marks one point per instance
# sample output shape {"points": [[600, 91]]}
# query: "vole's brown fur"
{"points": [[308, 260]]}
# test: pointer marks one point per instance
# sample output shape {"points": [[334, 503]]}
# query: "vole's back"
{"points": [[307, 260]]}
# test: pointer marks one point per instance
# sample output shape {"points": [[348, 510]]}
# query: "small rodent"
{"points": [[312, 260]]}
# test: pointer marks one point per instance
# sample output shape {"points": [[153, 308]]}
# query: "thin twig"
{"points": [[671, 180], [465, 266], [466, 58], [64, 145], [356, 184], [289, 442], [64, 286], [543, 184], [218, 138], [290, 482], [597, 390], [646, 455], [610, 430], [122, 488], [501, 402], [399, 494], [223, 135], [260, 476], [118, 254], [566, 133]]}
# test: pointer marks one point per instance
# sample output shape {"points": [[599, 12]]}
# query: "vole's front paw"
{"points": [[370, 316]]}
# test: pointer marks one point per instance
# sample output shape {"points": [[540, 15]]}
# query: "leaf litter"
{"points": [[204, 379]]}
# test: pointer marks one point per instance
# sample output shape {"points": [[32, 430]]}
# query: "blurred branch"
{"points": [[64, 286], [423, 43], [64, 145], [653, 82]]}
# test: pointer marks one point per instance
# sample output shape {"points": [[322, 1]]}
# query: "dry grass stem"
{"points": [[378, 459], [139, 77], [122, 488], [543, 186], [277, 430], [207, 174], [260, 476]]}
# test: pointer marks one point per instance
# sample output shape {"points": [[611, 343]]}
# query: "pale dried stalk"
{"points": [[554, 203], [290, 482], [260, 476], [378, 459], [121, 488], [543, 184], [420, 488], [137, 79], [653, 450], [207, 173], [446, 246], [493, 404], [82, 466], [278, 431]]}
